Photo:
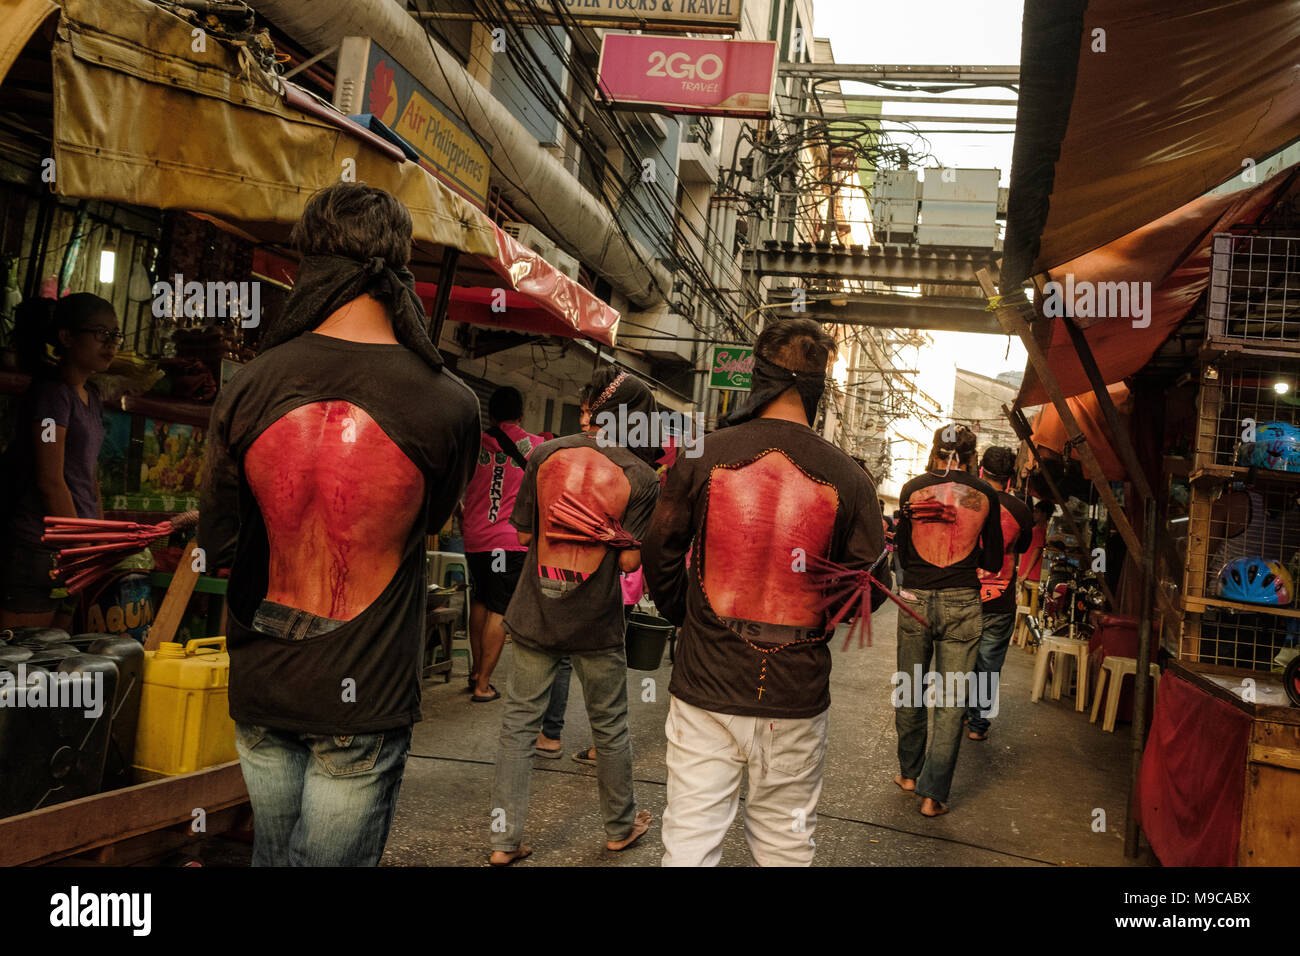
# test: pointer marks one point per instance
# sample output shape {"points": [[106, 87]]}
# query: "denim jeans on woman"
{"points": [[603, 675], [951, 643], [318, 799]]}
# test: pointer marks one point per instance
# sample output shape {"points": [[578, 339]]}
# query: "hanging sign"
{"points": [[731, 367], [688, 75]]}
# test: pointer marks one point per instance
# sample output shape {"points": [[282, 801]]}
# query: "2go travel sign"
{"points": [[689, 75]]}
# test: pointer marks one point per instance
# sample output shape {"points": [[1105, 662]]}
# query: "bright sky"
{"points": [[938, 32]]}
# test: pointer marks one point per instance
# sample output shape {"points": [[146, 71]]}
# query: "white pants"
{"points": [[707, 754]]}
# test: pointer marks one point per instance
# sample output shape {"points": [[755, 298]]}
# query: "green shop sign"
{"points": [[731, 367]]}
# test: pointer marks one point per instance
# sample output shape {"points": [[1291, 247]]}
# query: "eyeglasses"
{"points": [[106, 335]]}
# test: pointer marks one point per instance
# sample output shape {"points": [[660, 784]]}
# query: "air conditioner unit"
{"points": [[564, 263], [530, 236]]}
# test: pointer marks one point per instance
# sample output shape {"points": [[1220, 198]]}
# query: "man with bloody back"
{"points": [[950, 526], [330, 457], [569, 603], [751, 680], [998, 589]]}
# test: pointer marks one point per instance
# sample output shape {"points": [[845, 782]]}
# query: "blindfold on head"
{"points": [[769, 381]]}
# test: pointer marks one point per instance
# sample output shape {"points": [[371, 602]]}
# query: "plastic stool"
{"points": [[1066, 648], [1118, 668]]}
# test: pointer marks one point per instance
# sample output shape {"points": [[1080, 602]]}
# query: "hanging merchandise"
{"points": [[1256, 581], [1276, 447]]}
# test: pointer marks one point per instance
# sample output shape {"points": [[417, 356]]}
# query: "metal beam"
{"points": [[897, 264], [932, 98], [866, 72], [836, 117], [885, 311]]}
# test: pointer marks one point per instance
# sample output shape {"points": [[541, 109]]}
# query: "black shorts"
{"points": [[494, 588]]}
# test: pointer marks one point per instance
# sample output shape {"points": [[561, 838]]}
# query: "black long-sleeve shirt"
{"points": [[760, 498], [363, 676], [939, 554]]}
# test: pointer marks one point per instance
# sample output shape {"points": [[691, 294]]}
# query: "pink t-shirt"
{"points": [[490, 497]]}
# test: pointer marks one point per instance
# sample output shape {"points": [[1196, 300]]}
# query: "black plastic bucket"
{"points": [[646, 637]]}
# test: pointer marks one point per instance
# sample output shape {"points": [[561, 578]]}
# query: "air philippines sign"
{"points": [[369, 80], [687, 75], [731, 367], [701, 15]]}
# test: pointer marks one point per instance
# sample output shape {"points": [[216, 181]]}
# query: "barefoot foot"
{"points": [[933, 808], [506, 857], [905, 783], [639, 828]]}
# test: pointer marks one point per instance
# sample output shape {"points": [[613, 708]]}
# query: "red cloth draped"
{"points": [[1193, 778]]}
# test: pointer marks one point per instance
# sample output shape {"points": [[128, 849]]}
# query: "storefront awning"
{"points": [[251, 150], [1173, 255], [1049, 430], [1129, 109], [141, 117], [516, 289]]}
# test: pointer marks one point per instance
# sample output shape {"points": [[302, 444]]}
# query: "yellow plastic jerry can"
{"points": [[185, 721]]}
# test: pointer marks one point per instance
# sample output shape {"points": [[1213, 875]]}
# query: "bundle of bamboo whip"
{"points": [[574, 521], [102, 544], [930, 510], [851, 590]]}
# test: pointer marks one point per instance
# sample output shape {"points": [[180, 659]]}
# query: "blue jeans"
{"points": [[291, 623], [320, 800], [604, 687], [951, 642], [553, 719], [995, 638]]}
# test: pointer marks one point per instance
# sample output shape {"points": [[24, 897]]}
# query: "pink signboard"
{"points": [[683, 75]]}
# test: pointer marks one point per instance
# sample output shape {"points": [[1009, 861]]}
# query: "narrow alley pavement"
{"points": [[1027, 796]]}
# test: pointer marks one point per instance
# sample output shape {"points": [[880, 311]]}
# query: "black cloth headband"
{"points": [[769, 381], [326, 283]]}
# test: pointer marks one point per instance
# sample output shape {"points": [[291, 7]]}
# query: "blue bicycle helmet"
{"points": [[1276, 447], [1255, 581]]}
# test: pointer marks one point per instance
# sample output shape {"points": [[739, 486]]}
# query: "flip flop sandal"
{"points": [[549, 754], [583, 757], [495, 695], [524, 853]]}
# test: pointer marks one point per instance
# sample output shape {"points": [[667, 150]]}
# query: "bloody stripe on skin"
{"points": [[339, 500]]}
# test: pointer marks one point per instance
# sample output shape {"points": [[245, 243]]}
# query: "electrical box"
{"points": [[959, 207]]}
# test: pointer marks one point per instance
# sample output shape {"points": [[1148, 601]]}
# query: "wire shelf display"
{"points": [[1241, 641], [1242, 522], [1254, 292], [1240, 396]]}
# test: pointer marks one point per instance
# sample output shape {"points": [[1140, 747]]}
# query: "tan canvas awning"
{"points": [[142, 117]]}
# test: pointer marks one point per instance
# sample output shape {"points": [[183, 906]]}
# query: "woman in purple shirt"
{"points": [[51, 461]]}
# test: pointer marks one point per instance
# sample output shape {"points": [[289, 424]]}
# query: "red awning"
{"points": [[1049, 430], [537, 298], [1173, 254], [533, 295], [1132, 108]]}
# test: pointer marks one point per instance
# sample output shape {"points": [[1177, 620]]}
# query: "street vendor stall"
{"points": [[1146, 275], [85, 92]]}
